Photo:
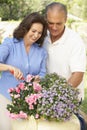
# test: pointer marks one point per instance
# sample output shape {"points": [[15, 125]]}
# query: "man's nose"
{"points": [[55, 26]]}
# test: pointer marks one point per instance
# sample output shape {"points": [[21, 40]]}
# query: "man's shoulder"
{"points": [[74, 33], [74, 40], [71, 32]]}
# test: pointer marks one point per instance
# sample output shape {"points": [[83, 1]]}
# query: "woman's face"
{"points": [[34, 33]]}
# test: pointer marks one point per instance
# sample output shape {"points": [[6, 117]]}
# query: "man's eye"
{"points": [[55, 23], [33, 31], [50, 23], [59, 23]]}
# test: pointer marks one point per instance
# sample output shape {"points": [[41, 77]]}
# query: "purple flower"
{"points": [[59, 99]]}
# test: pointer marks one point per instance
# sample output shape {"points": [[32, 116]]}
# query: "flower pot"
{"points": [[41, 124]]}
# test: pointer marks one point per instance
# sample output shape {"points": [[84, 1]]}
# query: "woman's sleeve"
{"points": [[43, 64], [5, 48]]}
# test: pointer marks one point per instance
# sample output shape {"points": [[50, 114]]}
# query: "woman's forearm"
{"points": [[16, 71], [4, 67]]}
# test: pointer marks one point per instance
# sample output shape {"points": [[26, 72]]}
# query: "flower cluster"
{"points": [[52, 98], [59, 100], [24, 99]]}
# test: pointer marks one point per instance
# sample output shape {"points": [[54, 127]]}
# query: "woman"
{"points": [[22, 55]]}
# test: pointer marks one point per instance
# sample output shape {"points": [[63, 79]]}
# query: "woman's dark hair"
{"points": [[26, 24]]}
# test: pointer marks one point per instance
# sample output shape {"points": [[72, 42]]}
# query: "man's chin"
{"points": [[55, 35]]}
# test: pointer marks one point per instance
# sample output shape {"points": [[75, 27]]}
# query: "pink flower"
{"points": [[11, 90], [37, 116], [16, 116], [22, 115], [25, 98], [17, 90], [17, 96], [12, 115], [29, 78], [32, 99], [31, 107], [37, 87], [21, 86]]}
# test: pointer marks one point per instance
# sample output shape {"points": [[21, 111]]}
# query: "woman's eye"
{"points": [[40, 33]]}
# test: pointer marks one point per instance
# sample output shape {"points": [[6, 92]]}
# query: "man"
{"points": [[66, 51]]}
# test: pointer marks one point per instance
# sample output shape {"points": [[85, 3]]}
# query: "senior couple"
{"points": [[41, 46]]}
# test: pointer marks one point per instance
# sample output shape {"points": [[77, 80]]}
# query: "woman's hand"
{"points": [[16, 72], [37, 78]]}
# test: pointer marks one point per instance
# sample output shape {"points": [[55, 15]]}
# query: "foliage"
{"points": [[14, 9], [18, 9], [52, 98], [69, 22], [84, 102], [84, 11]]}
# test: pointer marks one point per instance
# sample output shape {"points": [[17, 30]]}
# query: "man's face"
{"points": [[56, 22]]}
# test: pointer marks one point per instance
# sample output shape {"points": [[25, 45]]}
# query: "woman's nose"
{"points": [[36, 35]]}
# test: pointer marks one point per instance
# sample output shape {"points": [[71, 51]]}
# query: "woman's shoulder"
{"points": [[7, 41], [10, 40]]}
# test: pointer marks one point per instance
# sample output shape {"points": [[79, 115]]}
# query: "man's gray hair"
{"points": [[58, 5]]}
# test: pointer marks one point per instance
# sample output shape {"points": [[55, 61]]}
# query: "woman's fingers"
{"points": [[37, 78], [17, 73]]}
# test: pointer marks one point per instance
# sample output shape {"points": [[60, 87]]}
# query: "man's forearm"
{"points": [[76, 78]]}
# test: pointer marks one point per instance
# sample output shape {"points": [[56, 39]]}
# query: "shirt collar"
{"points": [[61, 39]]}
